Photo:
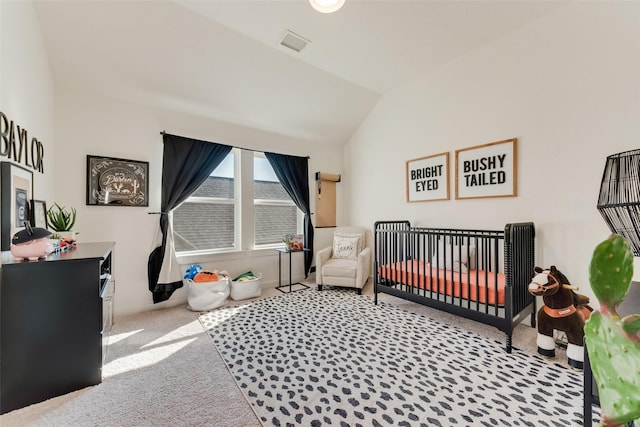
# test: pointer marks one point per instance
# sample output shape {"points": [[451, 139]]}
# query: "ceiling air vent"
{"points": [[294, 41]]}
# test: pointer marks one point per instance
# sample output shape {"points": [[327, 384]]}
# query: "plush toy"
{"points": [[197, 274], [210, 276], [31, 243], [563, 310], [192, 271]]}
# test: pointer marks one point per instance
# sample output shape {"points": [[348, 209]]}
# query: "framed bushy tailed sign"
{"points": [[117, 182], [487, 170], [428, 178]]}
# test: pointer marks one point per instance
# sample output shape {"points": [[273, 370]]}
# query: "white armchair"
{"points": [[347, 262]]}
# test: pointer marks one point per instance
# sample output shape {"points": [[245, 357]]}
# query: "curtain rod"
{"points": [[247, 149]]}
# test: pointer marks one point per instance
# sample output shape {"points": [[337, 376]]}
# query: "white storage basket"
{"points": [[203, 296], [246, 288]]}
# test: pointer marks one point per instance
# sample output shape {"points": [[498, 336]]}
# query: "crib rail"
{"points": [[519, 263], [461, 256], [479, 274]]}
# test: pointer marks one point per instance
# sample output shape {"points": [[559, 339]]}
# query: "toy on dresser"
{"points": [[31, 243]]}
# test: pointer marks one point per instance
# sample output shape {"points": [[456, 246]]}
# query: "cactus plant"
{"points": [[613, 343]]}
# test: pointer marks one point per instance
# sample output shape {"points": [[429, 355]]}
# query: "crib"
{"points": [[482, 275]]}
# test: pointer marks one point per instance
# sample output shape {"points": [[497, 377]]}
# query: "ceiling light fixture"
{"points": [[326, 6]]}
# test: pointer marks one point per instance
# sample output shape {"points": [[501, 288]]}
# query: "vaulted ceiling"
{"points": [[223, 60]]}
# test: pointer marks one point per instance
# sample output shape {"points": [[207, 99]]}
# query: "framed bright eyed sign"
{"points": [[428, 178]]}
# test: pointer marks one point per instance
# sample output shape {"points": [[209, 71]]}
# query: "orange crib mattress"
{"points": [[476, 285]]}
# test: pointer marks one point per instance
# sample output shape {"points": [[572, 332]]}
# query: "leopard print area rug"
{"points": [[334, 358]]}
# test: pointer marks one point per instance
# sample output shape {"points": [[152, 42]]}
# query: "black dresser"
{"points": [[52, 321], [630, 305]]}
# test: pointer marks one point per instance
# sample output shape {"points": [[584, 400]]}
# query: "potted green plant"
{"points": [[61, 220], [613, 342]]}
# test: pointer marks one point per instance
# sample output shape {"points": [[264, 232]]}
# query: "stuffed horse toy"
{"points": [[563, 310]]}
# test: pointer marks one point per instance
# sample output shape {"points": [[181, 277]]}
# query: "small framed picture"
{"points": [[39, 214], [117, 182], [16, 183]]}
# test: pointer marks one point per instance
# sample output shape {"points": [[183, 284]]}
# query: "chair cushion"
{"points": [[340, 267], [345, 247]]}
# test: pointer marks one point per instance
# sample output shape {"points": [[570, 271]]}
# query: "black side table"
{"points": [[280, 286]]}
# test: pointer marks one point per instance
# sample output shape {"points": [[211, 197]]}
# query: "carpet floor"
{"points": [[334, 358], [161, 368]]}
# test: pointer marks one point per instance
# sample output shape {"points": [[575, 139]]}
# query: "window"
{"points": [[206, 220], [212, 218], [275, 212]]}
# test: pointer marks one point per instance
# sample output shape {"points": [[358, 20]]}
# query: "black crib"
{"points": [[482, 275]]}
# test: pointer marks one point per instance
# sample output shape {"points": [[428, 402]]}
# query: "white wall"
{"points": [[91, 124], [83, 123], [26, 85], [566, 86]]}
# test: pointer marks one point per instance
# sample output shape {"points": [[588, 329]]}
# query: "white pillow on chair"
{"points": [[345, 247], [361, 241]]}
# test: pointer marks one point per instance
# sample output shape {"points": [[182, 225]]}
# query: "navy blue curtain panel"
{"points": [[186, 164], [293, 173]]}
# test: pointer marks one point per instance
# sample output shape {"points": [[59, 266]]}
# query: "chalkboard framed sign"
{"points": [[487, 170], [117, 182], [428, 178]]}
